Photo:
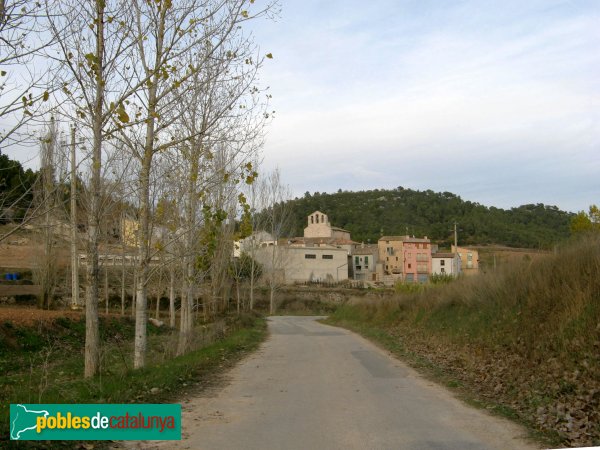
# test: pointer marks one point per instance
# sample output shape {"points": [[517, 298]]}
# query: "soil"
{"points": [[28, 316]]}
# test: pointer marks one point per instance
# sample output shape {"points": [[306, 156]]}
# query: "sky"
{"points": [[498, 102]]}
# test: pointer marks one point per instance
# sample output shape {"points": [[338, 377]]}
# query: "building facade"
{"points": [[318, 226], [304, 264], [447, 264], [364, 263], [405, 258], [469, 260]]}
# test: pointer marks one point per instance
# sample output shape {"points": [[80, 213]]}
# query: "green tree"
{"points": [[583, 222]]}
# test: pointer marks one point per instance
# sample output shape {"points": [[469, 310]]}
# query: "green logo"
{"points": [[95, 422]]}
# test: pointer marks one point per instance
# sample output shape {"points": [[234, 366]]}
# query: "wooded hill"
{"points": [[370, 214]]}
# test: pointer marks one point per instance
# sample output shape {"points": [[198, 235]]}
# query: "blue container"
{"points": [[15, 276], [8, 276]]}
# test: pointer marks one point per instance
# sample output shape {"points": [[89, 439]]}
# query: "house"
{"points": [[256, 240], [405, 258], [322, 254], [304, 264], [364, 263], [469, 259], [445, 264], [129, 231]]}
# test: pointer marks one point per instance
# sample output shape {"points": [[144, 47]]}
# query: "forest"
{"points": [[371, 214]]}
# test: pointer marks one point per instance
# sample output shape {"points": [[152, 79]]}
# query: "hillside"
{"points": [[371, 214]]}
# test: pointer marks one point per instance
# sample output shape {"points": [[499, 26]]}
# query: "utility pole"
{"points": [[74, 255], [455, 237], [455, 269]]}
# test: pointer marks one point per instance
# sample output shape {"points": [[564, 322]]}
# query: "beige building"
{"points": [[319, 227], [405, 258], [322, 255], [469, 260], [304, 264]]}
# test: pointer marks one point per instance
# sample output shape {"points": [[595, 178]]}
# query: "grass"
{"points": [[524, 340], [51, 372]]}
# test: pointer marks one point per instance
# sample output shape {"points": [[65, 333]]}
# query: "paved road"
{"points": [[313, 386]]}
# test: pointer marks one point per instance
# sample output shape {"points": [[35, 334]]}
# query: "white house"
{"points": [[445, 264]]}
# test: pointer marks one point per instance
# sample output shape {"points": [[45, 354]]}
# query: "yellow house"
{"points": [[469, 259], [130, 228]]}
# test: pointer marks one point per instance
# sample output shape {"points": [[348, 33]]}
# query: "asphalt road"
{"points": [[313, 386]]}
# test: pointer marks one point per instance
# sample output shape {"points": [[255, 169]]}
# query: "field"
{"points": [[523, 340]]}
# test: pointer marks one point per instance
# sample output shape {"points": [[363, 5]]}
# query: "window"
{"points": [[312, 219], [322, 218], [409, 266], [396, 258], [469, 256], [442, 263], [317, 218], [387, 258], [356, 261], [366, 260], [358, 267], [327, 257], [442, 270], [310, 256]]}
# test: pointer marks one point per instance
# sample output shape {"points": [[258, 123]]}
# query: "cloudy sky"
{"points": [[498, 102]]}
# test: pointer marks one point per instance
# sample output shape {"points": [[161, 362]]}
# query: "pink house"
{"points": [[417, 260]]}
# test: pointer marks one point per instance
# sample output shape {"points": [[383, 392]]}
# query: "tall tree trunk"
{"points": [[74, 251], [92, 334], [141, 300], [172, 296], [105, 286], [252, 275], [123, 282], [187, 302], [237, 290]]}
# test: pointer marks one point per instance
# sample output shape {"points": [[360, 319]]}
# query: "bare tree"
{"points": [[45, 270], [277, 218], [92, 52], [176, 42], [24, 81]]}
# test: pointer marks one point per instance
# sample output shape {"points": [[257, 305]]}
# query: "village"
{"points": [[327, 254]]}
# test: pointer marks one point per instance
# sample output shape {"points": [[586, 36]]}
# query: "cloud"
{"points": [[506, 96]]}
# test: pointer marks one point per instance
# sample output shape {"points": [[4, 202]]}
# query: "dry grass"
{"points": [[527, 336]]}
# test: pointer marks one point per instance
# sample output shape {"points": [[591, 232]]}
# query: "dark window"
{"points": [[409, 266], [442, 263], [366, 260], [309, 256], [327, 256]]}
